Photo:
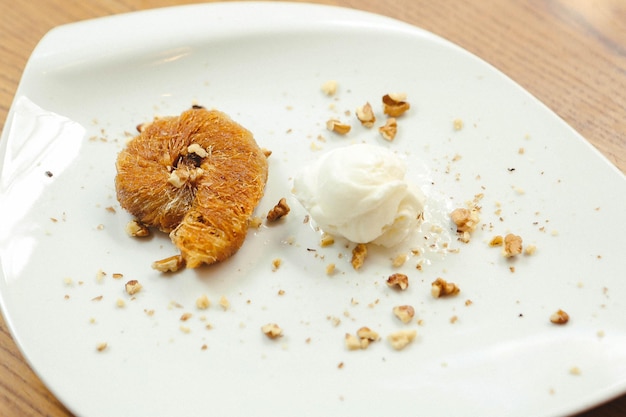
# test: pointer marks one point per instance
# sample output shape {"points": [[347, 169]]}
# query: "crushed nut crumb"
{"points": [[171, 264], [402, 338], [365, 114], [389, 130], [133, 287], [272, 330], [280, 210], [202, 302], [441, 288], [336, 126], [327, 240], [395, 104], [457, 124], [496, 241], [404, 313], [398, 280], [224, 303], [100, 347], [559, 317], [512, 245], [329, 87], [359, 253]]}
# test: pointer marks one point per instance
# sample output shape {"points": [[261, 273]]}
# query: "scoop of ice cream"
{"points": [[359, 192]]}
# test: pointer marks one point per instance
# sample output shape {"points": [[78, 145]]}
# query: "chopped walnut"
{"points": [[198, 150], [398, 280], [326, 240], [352, 342], [280, 210], [365, 114], [389, 130], [171, 264], [255, 222], [272, 330], [465, 220], [133, 287], [364, 336], [441, 288], [405, 313], [359, 253], [400, 339], [224, 303], [457, 124], [496, 241], [336, 126], [512, 245], [101, 347], [395, 104], [330, 269], [559, 317], [203, 302], [135, 228], [329, 87], [530, 250]]}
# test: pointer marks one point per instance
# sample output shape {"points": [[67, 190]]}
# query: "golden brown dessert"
{"points": [[198, 177]]}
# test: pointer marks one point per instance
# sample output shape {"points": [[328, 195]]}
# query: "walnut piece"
{"points": [[389, 130], [272, 330], [280, 210], [512, 245], [336, 126], [364, 336], [359, 253], [203, 302], [171, 264], [133, 287], [398, 280], [395, 104], [329, 87], [401, 339], [465, 220], [441, 288], [365, 114], [405, 313], [135, 228], [559, 317], [198, 150], [327, 240], [496, 241]]}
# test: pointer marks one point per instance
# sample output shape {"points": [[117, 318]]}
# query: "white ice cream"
{"points": [[359, 192]]}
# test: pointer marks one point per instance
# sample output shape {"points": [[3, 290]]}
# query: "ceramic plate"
{"points": [[489, 351]]}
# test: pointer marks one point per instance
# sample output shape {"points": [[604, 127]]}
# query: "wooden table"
{"points": [[571, 54]]}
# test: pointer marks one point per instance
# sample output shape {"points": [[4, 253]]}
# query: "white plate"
{"points": [[89, 83]]}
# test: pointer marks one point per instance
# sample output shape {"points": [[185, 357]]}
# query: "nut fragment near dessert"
{"points": [[466, 221], [398, 280], [365, 114], [401, 338], [280, 210], [272, 330], [359, 253], [512, 245], [395, 104], [442, 288], [559, 317]]}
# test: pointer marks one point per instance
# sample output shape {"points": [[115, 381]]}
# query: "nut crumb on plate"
{"points": [[389, 130], [135, 228], [170, 264], [329, 87], [203, 302], [466, 221], [133, 287], [512, 245], [404, 313], [559, 317], [441, 288], [402, 338], [359, 253], [337, 126], [395, 104], [280, 210], [224, 303], [272, 330], [100, 347], [365, 114], [398, 280]]}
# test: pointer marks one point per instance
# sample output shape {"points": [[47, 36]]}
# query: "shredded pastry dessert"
{"points": [[198, 176]]}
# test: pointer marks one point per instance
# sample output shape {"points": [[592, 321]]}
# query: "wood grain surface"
{"points": [[570, 54]]}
